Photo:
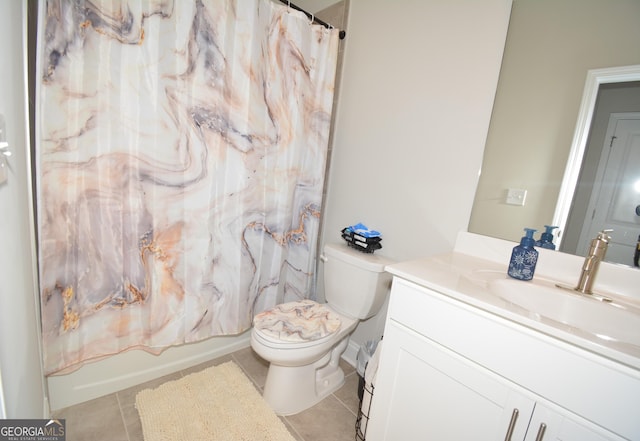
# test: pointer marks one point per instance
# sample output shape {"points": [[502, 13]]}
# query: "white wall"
{"points": [[418, 84], [20, 363]]}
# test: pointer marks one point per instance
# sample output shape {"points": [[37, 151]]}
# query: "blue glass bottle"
{"points": [[524, 257]]}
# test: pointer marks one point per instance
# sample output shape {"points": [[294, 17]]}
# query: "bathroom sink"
{"points": [[613, 320]]}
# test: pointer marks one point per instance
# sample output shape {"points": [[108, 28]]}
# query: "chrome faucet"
{"points": [[592, 262]]}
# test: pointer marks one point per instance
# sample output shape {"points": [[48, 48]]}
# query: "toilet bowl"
{"points": [[303, 340], [302, 373]]}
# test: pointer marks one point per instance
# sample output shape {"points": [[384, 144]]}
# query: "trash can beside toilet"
{"points": [[367, 368]]}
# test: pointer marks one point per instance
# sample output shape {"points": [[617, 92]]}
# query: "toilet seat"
{"points": [[297, 324], [279, 344]]}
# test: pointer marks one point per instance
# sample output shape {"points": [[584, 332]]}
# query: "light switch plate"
{"points": [[516, 196]]}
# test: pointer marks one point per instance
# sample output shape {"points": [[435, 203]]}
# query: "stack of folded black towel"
{"points": [[362, 238]]}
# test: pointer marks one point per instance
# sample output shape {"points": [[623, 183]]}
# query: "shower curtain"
{"points": [[180, 155]]}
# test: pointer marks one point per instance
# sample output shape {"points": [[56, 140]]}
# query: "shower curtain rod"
{"points": [[342, 34]]}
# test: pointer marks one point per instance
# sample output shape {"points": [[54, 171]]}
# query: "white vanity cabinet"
{"points": [[451, 371], [427, 392]]}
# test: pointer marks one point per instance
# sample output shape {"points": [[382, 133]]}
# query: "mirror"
{"points": [[551, 47]]}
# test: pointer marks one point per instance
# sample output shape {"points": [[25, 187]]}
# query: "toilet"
{"points": [[303, 340]]}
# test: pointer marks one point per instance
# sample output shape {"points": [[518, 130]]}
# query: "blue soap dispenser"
{"points": [[546, 238], [524, 257]]}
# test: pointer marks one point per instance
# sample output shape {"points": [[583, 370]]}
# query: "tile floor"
{"points": [[114, 417]]}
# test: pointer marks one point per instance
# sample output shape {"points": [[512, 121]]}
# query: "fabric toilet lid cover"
{"points": [[301, 321]]}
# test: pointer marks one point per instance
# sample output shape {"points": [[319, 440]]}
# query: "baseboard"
{"points": [[135, 367], [46, 409], [351, 352]]}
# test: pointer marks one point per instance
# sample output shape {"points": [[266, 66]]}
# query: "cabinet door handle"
{"points": [[512, 425], [541, 430]]}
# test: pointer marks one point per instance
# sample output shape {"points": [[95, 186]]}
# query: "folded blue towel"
{"points": [[363, 231]]}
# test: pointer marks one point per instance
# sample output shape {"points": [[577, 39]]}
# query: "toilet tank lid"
{"points": [[368, 261]]}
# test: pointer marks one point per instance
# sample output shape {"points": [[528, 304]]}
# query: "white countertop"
{"points": [[467, 277]]}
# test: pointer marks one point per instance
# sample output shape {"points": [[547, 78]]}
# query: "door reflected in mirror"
{"points": [[614, 192]]}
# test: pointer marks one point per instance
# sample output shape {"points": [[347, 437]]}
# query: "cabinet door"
{"points": [[427, 392], [548, 424]]}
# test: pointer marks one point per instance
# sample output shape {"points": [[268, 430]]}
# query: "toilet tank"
{"points": [[355, 283]]}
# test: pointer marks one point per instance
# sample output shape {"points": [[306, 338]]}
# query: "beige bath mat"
{"points": [[218, 403]]}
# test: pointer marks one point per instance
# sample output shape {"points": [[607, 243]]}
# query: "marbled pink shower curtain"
{"points": [[181, 149]]}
